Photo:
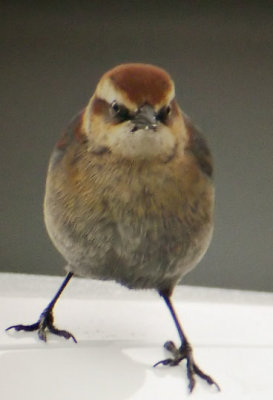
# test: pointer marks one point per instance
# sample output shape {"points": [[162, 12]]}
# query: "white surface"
{"points": [[120, 336]]}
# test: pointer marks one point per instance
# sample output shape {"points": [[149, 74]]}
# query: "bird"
{"points": [[130, 195]]}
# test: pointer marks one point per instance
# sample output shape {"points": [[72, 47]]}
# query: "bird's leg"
{"points": [[46, 321], [183, 352]]}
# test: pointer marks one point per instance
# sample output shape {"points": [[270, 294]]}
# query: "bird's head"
{"points": [[133, 113]]}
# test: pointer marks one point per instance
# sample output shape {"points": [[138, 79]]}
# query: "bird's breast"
{"points": [[145, 216]]}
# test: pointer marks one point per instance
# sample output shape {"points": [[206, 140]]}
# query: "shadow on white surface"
{"points": [[99, 370]]}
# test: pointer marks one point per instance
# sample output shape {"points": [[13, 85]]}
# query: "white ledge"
{"points": [[120, 335]]}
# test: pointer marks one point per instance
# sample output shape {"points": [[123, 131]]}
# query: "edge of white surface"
{"points": [[17, 285], [232, 343]]}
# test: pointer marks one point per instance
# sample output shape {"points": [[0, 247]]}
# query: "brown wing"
{"points": [[197, 145], [72, 133]]}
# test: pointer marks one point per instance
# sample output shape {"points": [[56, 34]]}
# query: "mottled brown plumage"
{"points": [[129, 192]]}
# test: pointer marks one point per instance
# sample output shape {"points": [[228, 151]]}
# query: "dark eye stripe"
{"points": [[163, 114], [120, 112]]}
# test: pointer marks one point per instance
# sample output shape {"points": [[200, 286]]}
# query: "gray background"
{"points": [[220, 55]]}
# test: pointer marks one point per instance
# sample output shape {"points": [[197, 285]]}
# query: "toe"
{"points": [[27, 328], [42, 335], [59, 332]]}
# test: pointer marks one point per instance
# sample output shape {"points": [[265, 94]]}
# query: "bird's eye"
{"points": [[119, 111], [163, 114], [115, 107]]}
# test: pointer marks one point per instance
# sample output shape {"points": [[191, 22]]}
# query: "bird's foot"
{"points": [[185, 352], [44, 324]]}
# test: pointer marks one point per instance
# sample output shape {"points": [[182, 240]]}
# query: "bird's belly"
{"points": [[142, 230], [138, 253]]}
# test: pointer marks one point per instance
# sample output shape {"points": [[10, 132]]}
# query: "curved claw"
{"points": [[168, 361], [60, 332], [206, 377], [190, 374]]}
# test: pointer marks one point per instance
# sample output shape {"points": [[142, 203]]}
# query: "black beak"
{"points": [[145, 118]]}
